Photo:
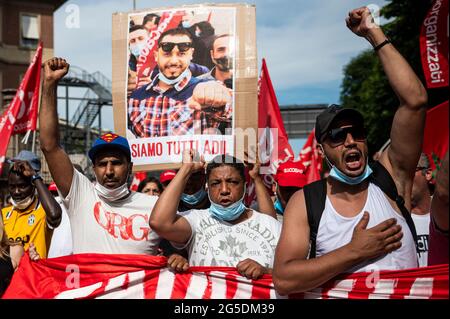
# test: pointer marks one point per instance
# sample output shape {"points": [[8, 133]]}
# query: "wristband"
{"points": [[382, 44], [35, 177]]}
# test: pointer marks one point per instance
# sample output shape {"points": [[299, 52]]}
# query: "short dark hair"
{"points": [[150, 179], [149, 17], [226, 160], [136, 27], [176, 31]]}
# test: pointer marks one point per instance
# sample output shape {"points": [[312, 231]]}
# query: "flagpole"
{"points": [[33, 145]]}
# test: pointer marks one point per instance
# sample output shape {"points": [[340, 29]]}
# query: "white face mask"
{"points": [[24, 203], [112, 194]]}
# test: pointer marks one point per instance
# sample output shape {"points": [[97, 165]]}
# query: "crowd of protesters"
{"points": [[303, 234]]}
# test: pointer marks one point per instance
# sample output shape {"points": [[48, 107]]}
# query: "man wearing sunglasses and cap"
{"points": [[360, 228], [175, 102]]}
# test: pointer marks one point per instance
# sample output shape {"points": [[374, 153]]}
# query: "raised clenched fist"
{"points": [[360, 21], [209, 94], [55, 69]]}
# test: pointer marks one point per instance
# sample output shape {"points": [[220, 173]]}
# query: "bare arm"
{"points": [[401, 157], [164, 219], [52, 209], [265, 204], [439, 203], [58, 161], [293, 273]]}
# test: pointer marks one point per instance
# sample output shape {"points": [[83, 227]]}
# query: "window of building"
{"points": [[29, 30]]}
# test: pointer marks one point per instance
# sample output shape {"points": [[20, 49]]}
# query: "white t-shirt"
{"points": [[218, 243], [336, 231], [422, 223], [104, 227], [61, 244]]}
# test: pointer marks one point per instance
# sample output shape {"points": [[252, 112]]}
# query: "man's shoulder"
{"points": [[143, 198], [6, 209], [198, 213], [266, 219], [141, 93]]}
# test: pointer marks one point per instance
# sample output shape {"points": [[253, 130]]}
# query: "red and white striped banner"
{"points": [[140, 276]]}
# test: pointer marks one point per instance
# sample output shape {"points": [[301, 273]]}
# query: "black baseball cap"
{"points": [[334, 111]]}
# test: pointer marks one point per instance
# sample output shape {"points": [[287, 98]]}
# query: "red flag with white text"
{"points": [[86, 276], [21, 115], [273, 144], [434, 45], [146, 61], [309, 156]]}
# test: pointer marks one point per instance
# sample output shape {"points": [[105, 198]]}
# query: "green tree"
{"points": [[365, 86]]}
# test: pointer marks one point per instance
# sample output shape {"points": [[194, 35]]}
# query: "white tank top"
{"points": [[336, 231]]}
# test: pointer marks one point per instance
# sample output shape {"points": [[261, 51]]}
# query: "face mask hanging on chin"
{"points": [[175, 81], [111, 195], [229, 213], [22, 204], [341, 177]]}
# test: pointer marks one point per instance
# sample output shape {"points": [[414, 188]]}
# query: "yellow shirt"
{"points": [[28, 226]]}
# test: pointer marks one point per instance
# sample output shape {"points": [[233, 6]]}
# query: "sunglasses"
{"points": [[337, 136], [168, 46]]}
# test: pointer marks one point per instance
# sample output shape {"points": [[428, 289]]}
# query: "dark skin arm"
{"points": [[439, 203], [265, 203], [294, 273], [52, 209], [251, 269], [58, 161], [164, 219]]}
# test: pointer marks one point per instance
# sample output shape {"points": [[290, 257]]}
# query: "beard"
{"points": [[224, 64]]}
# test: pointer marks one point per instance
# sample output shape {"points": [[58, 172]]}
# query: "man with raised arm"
{"points": [[360, 228], [105, 216]]}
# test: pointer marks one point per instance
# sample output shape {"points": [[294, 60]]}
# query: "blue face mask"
{"points": [[194, 199], [229, 213], [136, 49], [186, 24], [168, 81], [278, 207], [338, 175]]}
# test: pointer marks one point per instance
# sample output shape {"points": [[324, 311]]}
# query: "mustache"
{"points": [[168, 66]]}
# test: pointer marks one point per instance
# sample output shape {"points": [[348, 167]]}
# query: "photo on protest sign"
{"points": [[174, 82]]}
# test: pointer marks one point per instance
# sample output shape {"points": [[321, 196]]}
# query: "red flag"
{"points": [[309, 156], [137, 179], [275, 142], [21, 114], [146, 61], [141, 276], [435, 140], [274, 147], [434, 45]]}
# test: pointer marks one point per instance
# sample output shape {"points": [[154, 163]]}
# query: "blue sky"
{"points": [[305, 43]]}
